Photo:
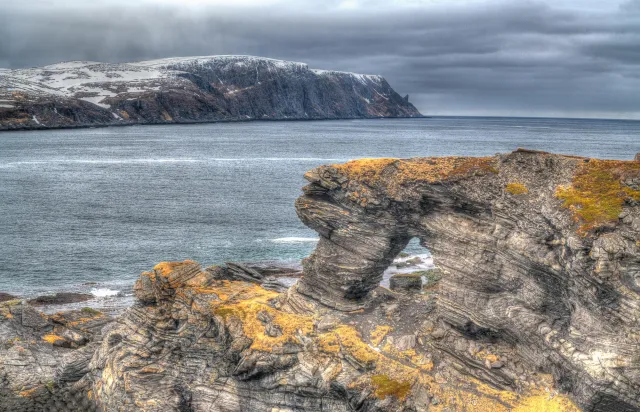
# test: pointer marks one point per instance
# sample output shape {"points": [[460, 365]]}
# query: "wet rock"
{"points": [[5, 297], [60, 298], [238, 271]]}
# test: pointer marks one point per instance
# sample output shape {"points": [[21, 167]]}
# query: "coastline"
{"points": [[112, 299], [190, 122]]}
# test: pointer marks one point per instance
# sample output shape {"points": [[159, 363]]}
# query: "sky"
{"points": [[562, 58]]}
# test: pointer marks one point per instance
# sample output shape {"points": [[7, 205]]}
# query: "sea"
{"points": [[87, 210]]}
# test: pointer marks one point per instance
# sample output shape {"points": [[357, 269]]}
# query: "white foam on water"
{"points": [[295, 239], [104, 292]]}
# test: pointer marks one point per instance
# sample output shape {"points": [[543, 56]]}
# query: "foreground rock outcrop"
{"points": [[534, 306], [187, 90], [539, 251]]}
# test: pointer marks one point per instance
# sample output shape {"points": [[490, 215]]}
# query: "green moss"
{"points": [[91, 311], [13, 302], [386, 386], [597, 195], [432, 275]]}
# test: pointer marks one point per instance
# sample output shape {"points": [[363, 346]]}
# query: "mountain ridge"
{"points": [[189, 90]]}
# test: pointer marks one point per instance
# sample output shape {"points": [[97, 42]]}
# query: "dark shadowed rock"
{"points": [[4, 297], [60, 299]]}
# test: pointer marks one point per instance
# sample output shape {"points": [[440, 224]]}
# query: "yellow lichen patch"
{"points": [[124, 114], [251, 307], [386, 386], [350, 341], [165, 268], [52, 339], [546, 403], [347, 341], [474, 396], [516, 189], [596, 195], [396, 172], [379, 333]]}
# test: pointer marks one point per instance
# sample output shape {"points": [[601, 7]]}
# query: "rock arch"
{"points": [[521, 260]]}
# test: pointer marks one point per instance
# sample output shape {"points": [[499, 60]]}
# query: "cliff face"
{"points": [[184, 90], [537, 308]]}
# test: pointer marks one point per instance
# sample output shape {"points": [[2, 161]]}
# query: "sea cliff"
{"points": [[534, 306], [188, 90]]}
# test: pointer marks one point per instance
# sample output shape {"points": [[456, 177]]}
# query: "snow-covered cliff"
{"points": [[190, 89]]}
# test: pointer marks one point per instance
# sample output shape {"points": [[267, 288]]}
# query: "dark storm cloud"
{"points": [[525, 58]]}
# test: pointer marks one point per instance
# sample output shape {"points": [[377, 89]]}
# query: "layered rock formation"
{"points": [[539, 251], [536, 309], [187, 90]]}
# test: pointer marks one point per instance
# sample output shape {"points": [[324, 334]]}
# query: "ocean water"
{"points": [[90, 209]]}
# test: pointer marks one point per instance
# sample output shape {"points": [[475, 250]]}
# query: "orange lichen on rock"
{"points": [[516, 188], [429, 169], [27, 393], [596, 195], [53, 339], [165, 268]]}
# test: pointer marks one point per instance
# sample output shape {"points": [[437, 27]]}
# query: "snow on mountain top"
{"points": [[69, 65], [361, 77], [95, 81], [221, 58]]}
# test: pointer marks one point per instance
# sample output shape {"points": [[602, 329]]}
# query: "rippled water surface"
{"points": [[102, 205]]}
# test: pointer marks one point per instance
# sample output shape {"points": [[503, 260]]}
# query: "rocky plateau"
{"points": [[535, 304]]}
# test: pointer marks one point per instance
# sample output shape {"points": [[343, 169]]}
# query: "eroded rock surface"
{"points": [[534, 306], [539, 251]]}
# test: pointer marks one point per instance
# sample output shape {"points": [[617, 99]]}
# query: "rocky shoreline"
{"points": [[533, 306]]}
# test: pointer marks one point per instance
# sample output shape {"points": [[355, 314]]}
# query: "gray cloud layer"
{"points": [[518, 58]]}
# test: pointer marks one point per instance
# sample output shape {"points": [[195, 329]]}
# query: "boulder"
{"points": [[407, 283]]}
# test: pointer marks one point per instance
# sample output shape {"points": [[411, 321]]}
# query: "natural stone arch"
{"points": [[518, 264]]}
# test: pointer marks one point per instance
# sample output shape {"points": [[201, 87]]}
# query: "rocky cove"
{"points": [[536, 309]]}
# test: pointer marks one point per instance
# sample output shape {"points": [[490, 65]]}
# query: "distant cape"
{"points": [[189, 90]]}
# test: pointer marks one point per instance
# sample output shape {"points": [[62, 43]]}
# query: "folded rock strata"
{"points": [[539, 251], [536, 309]]}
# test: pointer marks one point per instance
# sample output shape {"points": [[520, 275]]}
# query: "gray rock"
{"points": [[511, 263], [407, 283]]}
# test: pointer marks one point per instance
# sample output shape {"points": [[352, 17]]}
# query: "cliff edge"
{"points": [[188, 90]]}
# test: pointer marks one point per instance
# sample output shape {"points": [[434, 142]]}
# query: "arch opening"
{"points": [[413, 265]]}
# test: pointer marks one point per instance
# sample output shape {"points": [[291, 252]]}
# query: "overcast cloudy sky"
{"points": [[578, 58]]}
